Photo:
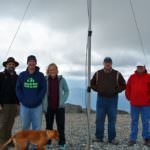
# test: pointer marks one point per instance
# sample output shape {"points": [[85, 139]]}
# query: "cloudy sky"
{"points": [[56, 31]]}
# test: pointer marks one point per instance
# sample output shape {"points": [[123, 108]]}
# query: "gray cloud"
{"points": [[55, 31]]}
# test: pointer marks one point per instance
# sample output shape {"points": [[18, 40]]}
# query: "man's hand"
{"points": [[1, 108], [88, 89]]}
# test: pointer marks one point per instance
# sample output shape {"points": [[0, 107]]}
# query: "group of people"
{"points": [[108, 83], [30, 94]]}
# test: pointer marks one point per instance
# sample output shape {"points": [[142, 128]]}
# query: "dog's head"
{"points": [[53, 134]]}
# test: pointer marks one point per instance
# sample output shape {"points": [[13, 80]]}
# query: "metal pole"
{"points": [[88, 97]]}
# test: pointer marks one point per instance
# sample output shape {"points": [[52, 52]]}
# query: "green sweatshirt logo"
{"points": [[30, 83]]}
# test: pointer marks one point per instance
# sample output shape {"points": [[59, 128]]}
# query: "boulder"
{"points": [[92, 111], [71, 108], [123, 112]]}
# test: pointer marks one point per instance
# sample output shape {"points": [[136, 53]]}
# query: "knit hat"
{"points": [[31, 57]]}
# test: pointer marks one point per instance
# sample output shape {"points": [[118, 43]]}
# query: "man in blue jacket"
{"points": [[30, 90]]}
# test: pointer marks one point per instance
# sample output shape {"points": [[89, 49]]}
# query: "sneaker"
{"points": [[147, 142], [97, 140], [131, 143], [48, 146], [62, 147], [114, 142]]}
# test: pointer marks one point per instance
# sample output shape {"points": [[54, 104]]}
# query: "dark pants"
{"points": [[7, 118], [106, 106], [60, 121]]}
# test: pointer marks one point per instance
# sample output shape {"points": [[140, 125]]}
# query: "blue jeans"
{"points": [[106, 106], [31, 116], [145, 116]]}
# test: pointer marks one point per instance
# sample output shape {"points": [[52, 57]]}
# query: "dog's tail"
{"points": [[5, 144]]}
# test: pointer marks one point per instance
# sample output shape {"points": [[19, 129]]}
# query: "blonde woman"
{"points": [[54, 101]]}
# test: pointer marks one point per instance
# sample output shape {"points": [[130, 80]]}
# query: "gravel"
{"points": [[77, 133]]}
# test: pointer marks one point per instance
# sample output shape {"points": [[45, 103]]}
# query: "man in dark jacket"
{"points": [[30, 89], [107, 83], [9, 103]]}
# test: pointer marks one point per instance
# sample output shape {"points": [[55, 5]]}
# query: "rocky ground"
{"points": [[76, 133]]}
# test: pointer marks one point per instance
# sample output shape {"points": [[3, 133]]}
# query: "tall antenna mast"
{"points": [[88, 96]]}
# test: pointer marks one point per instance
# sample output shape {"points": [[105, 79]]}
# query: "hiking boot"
{"points": [[114, 142], [62, 147], [147, 142], [49, 146], [97, 140], [131, 143]]}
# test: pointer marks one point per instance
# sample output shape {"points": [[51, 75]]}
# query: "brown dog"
{"points": [[39, 138]]}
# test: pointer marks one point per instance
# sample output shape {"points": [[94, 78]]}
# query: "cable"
{"points": [[138, 30], [18, 28]]}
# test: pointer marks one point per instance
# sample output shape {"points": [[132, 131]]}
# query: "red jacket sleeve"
{"points": [[128, 89], [149, 87]]}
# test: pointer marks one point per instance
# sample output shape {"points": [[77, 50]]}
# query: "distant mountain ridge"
{"points": [[72, 108], [78, 94]]}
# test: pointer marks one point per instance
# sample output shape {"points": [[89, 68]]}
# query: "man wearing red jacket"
{"points": [[138, 93]]}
